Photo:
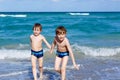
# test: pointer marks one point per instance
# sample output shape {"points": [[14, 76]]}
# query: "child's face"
{"points": [[61, 36], [36, 31]]}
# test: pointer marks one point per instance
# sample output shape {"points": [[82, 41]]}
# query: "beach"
{"points": [[94, 38]]}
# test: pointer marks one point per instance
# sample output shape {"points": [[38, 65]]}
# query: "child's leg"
{"points": [[57, 64], [33, 61], [63, 68], [40, 60]]}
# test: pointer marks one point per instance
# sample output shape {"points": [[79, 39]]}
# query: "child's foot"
{"points": [[41, 76], [40, 79]]}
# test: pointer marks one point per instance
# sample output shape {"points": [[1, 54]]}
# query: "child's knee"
{"points": [[40, 67], [57, 69], [63, 69], [33, 67]]}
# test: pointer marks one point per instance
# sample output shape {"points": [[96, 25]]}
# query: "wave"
{"points": [[14, 54], [85, 14], [9, 15], [91, 51], [19, 46], [83, 50]]}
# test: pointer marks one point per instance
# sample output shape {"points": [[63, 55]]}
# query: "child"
{"points": [[36, 40], [63, 51]]}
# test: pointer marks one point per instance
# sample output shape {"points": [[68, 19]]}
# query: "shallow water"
{"points": [[91, 68]]}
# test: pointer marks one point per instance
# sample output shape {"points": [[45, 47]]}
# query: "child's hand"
{"points": [[76, 67]]}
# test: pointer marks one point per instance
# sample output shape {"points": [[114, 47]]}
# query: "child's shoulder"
{"points": [[31, 35], [41, 36], [66, 39]]}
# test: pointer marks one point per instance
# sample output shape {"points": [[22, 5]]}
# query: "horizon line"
{"points": [[56, 11]]}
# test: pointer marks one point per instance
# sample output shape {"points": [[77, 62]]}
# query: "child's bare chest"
{"points": [[62, 44], [36, 39]]}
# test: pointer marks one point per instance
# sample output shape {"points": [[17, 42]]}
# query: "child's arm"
{"points": [[71, 54], [45, 41], [52, 47]]}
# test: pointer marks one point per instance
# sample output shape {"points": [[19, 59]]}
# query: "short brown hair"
{"points": [[37, 25], [61, 30]]}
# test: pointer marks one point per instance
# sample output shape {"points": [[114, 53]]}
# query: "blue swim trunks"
{"points": [[37, 54], [62, 54]]}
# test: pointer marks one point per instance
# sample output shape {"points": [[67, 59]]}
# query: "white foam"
{"points": [[23, 45], [25, 54], [13, 73], [17, 54], [97, 51], [68, 67], [85, 14], [13, 15], [112, 69], [16, 46]]}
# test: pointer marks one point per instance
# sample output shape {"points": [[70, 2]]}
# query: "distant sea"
{"points": [[94, 38]]}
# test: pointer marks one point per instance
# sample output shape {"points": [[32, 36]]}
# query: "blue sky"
{"points": [[59, 5]]}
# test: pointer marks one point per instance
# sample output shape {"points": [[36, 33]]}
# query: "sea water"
{"points": [[94, 38]]}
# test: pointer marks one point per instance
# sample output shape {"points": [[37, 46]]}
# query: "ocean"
{"points": [[94, 38]]}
